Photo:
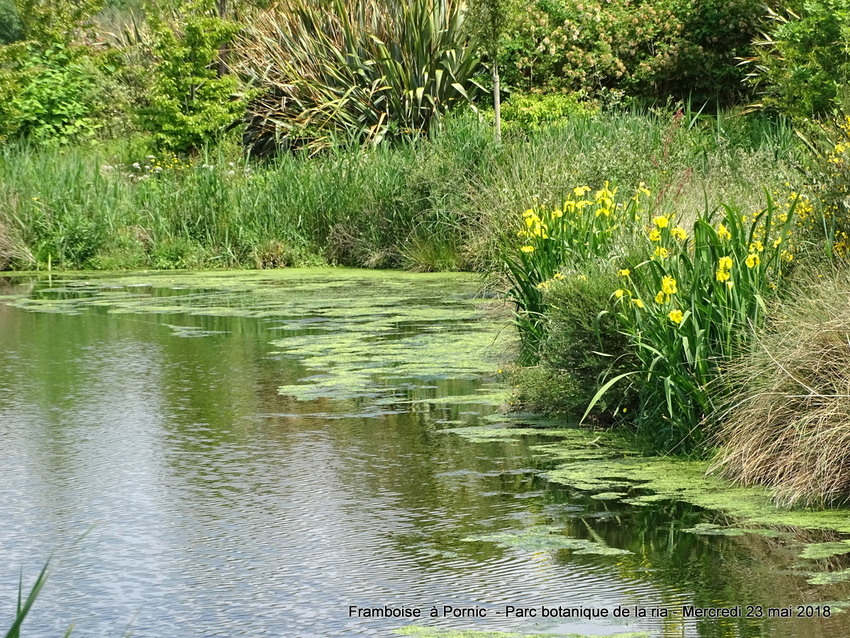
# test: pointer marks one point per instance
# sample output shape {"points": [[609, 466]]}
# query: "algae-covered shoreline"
{"points": [[331, 318]]}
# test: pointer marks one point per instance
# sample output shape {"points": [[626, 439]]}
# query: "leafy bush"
{"points": [[10, 24], [580, 348], [802, 62], [651, 50], [364, 70], [190, 104], [532, 111], [50, 22], [59, 94]]}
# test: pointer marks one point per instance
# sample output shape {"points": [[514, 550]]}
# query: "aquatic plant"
{"points": [[689, 308], [586, 225]]}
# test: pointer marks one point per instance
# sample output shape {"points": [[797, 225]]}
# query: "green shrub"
{"points": [[802, 63], [581, 347], [651, 50], [59, 94], [190, 104], [365, 70], [533, 111], [48, 22], [10, 24]]}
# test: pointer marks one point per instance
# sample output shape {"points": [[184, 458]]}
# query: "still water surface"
{"points": [[253, 454]]}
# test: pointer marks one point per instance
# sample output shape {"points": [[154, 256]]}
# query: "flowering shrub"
{"points": [[828, 223]]}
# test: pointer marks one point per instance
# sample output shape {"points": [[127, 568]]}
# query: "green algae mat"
{"points": [[359, 331]]}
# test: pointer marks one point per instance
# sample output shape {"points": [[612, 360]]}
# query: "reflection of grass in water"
{"points": [[426, 632]]}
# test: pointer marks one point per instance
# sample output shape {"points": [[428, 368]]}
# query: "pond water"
{"points": [[271, 454]]}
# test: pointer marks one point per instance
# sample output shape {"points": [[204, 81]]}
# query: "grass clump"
{"points": [[581, 346], [788, 427]]}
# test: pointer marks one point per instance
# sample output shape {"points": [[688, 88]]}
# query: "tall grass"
{"points": [[436, 202], [787, 425], [23, 606]]}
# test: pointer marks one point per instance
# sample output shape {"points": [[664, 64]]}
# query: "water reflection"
{"points": [[222, 507]]}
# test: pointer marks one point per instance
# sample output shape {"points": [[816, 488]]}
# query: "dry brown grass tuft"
{"points": [[788, 427], [12, 250]]}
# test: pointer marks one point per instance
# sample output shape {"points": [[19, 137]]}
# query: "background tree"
{"points": [[488, 20]]}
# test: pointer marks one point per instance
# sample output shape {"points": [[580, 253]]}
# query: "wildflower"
{"points": [[725, 263], [777, 241], [655, 235], [527, 249], [753, 260], [676, 316], [557, 276], [659, 297], [661, 221], [723, 232], [618, 294], [642, 189], [756, 247], [729, 284], [662, 252], [625, 272], [668, 286], [638, 303], [580, 191], [679, 233], [723, 275]]}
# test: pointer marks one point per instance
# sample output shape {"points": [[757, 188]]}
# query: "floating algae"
{"points": [[830, 578], [815, 551], [357, 332], [546, 537], [711, 529]]}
